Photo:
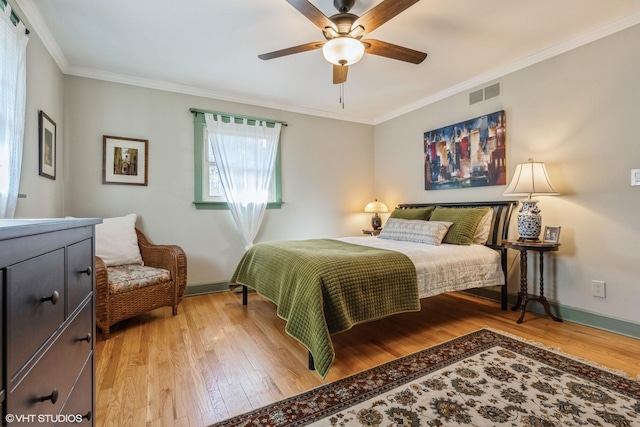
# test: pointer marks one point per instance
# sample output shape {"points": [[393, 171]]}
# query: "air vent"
{"points": [[486, 93], [477, 96], [492, 91]]}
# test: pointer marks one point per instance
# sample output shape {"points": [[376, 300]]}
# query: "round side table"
{"points": [[523, 296]]}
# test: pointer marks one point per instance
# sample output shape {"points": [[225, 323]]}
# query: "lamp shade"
{"points": [[529, 179], [376, 207], [343, 50]]}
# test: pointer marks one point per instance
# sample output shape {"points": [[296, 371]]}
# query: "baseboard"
{"points": [[570, 314], [206, 288]]}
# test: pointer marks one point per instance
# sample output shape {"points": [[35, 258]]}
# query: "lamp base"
{"points": [[376, 221], [529, 221]]}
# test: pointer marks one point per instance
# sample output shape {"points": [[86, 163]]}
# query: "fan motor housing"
{"points": [[344, 22]]}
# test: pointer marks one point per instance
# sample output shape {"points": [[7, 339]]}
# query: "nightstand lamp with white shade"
{"points": [[530, 179], [376, 208]]}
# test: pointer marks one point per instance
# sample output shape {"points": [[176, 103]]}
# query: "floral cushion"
{"points": [[125, 278]]}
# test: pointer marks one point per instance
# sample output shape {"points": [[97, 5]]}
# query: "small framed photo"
{"points": [[124, 160], [551, 234], [47, 145]]}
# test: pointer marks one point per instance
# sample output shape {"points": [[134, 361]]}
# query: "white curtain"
{"points": [[13, 66], [246, 157]]}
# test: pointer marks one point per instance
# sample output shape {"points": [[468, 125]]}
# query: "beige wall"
{"points": [[578, 113], [326, 172]]}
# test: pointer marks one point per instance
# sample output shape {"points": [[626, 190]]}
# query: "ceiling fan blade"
{"points": [[340, 73], [382, 13], [380, 48], [291, 50], [312, 13]]}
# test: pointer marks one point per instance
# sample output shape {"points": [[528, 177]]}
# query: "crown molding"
{"points": [[32, 15], [206, 93], [597, 34]]}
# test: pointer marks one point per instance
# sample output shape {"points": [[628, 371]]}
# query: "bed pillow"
{"points": [[413, 213], [465, 223], [117, 241], [484, 228], [418, 231]]}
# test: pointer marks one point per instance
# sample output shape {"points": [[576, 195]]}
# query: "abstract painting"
{"points": [[467, 154]]}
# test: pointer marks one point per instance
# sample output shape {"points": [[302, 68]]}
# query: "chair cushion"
{"points": [[125, 278]]}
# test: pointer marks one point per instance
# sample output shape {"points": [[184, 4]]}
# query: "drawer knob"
{"points": [[86, 271], [53, 397], [88, 338], [55, 296], [87, 416]]}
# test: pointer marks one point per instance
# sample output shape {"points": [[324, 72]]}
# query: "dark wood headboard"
{"points": [[502, 211]]}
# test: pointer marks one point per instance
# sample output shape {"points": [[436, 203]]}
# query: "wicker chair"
{"points": [[114, 305]]}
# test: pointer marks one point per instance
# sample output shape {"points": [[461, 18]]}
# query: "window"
{"points": [[208, 187]]}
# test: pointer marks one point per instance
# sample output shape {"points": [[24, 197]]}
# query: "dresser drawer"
{"points": [[35, 305], [56, 371], [79, 273], [78, 411]]}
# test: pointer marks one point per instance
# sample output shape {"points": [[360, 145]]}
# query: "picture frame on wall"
{"points": [[124, 160], [46, 146], [551, 234], [468, 154]]}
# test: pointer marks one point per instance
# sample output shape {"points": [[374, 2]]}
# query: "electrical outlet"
{"points": [[598, 288]]}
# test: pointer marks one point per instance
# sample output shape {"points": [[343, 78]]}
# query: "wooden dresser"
{"points": [[47, 324]]}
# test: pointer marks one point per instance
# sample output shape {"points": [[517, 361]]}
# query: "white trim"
{"points": [[598, 33], [31, 13]]}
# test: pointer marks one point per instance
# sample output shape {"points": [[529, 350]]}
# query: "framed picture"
{"points": [[466, 154], [124, 160], [551, 234], [47, 145]]}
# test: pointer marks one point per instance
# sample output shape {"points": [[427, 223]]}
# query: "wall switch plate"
{"points": [[635, 176], [598, 288]]}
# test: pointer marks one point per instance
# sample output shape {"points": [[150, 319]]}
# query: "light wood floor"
{"points": [[216, 358]]}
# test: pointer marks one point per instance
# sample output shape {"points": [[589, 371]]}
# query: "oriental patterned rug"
{"points": [[485, 378]]}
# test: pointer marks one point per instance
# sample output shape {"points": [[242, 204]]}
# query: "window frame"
{"points": [[200, 174]]}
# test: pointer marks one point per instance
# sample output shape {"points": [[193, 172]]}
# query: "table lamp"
{"points": [[530, 179], [376, 207]]}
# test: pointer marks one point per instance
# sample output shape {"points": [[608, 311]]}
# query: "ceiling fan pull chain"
{"points": [[342, 95]]}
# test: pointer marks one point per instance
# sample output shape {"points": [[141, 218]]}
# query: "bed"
{"points": [[325, 286]]}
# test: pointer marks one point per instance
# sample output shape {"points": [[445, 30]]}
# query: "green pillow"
{"points": [[413, 213], [465, 222]]}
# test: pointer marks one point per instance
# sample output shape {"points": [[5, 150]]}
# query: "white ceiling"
{"points": [[210, 47]]}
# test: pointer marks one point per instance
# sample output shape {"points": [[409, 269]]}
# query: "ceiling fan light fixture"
{"points": [[343, 51]]}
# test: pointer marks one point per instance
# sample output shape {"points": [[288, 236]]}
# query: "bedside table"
{"points": [[523, 295]]}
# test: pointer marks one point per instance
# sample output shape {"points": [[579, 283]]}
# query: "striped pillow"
{"points": [[419, 231]]}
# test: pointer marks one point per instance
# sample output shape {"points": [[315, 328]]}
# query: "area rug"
{"points": [[485, 378]]}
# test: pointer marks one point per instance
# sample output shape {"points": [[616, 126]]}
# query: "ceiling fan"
{"points": [[343, 33]]}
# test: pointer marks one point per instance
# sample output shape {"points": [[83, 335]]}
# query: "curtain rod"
{"points": [[197, 111], [14, 16]]}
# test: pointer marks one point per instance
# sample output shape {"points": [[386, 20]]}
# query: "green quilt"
{"points": [[325, 286]]}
